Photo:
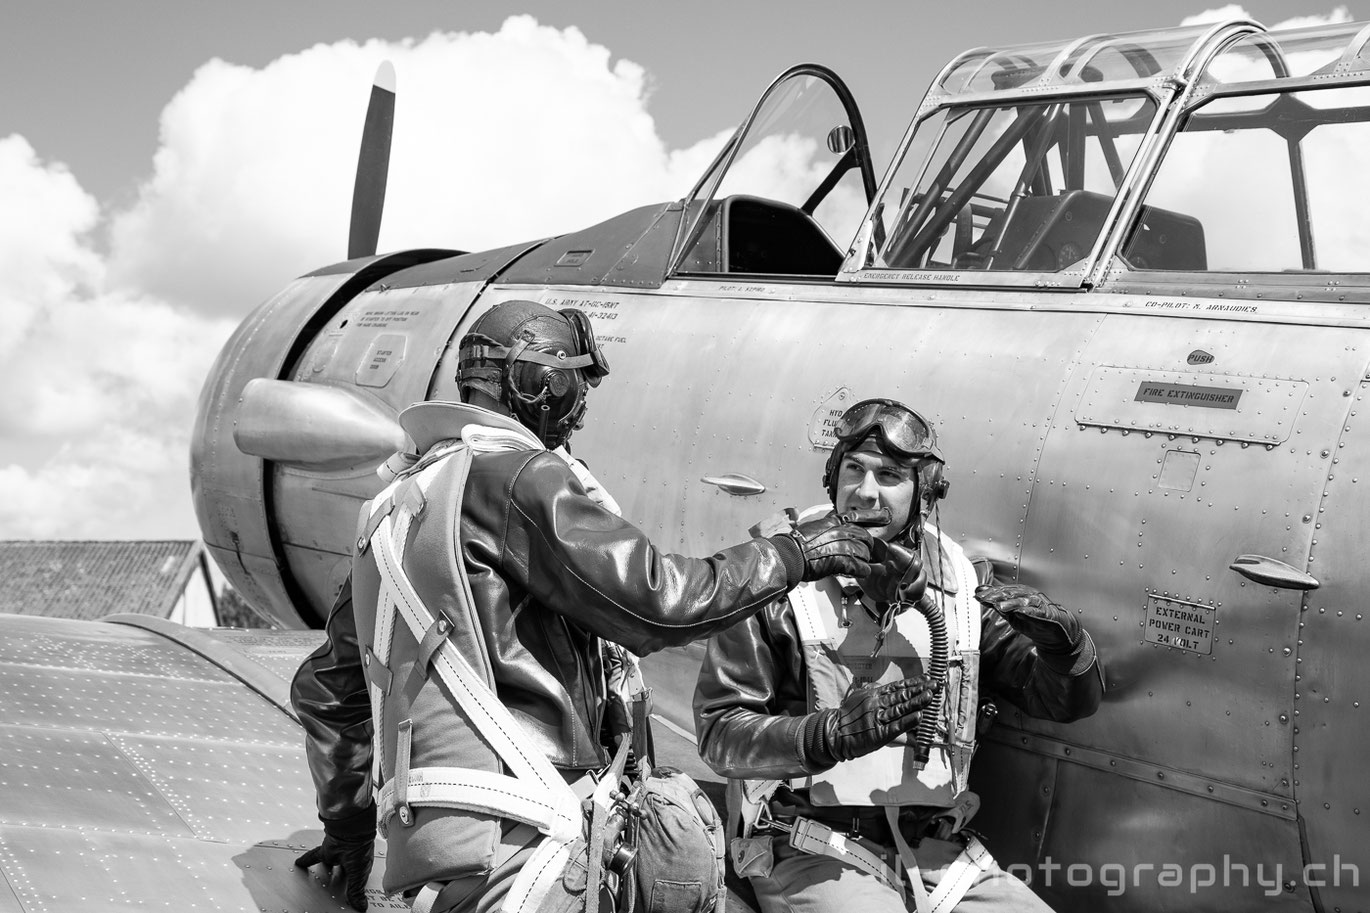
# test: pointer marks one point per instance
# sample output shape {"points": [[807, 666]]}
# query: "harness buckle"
{"points": [[767, 822]]}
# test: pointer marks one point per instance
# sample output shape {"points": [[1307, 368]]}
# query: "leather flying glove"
{"points": [[348, 847], [830, 547], [775, 524], [1056, 632], [871, 716], [897, 574]]}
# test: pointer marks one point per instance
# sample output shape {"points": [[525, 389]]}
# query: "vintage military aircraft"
{"points": [[1127, 276]]}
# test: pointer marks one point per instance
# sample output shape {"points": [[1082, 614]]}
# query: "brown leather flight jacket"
{"points": [[752, 697], [550, 571]]}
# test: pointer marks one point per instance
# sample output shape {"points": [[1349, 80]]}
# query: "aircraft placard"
{"points": [[1183, 625], [382, 359], [1188, 395], [825, 417], [1260, 410]]}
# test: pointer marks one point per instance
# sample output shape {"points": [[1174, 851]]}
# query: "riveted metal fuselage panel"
{"points": [[1152, 848], [124, 757], [1195, 463], [751, 365], [1135, 517], [1331, 700], [1107, 538]]}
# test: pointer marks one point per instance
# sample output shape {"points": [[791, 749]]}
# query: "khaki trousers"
{"points": [[806, 883]]}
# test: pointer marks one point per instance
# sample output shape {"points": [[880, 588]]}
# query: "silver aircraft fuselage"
{"points": [[1127, 278]]}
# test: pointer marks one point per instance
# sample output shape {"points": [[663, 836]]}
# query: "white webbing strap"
{"points": [[423, 901], [963, 872], [960, 876], [400, 781], [967, 619], [535, 793], [535, 879], [479, 790], [807, 617], [967, 609], [916, 886], [957, 594], [809, 836], [377, 658], [534, 781], [814, 837]]}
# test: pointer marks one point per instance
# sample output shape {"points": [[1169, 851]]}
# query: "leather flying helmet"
{"points": [[537, 362], [899, 432]]}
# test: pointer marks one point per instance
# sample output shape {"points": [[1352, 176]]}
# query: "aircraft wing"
{"points": [[146, 766]]}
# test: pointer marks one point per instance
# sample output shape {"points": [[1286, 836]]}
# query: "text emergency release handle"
{"points": [[1274, 573]]}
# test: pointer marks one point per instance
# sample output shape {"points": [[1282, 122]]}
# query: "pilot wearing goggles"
{"points": [[845, 713], [487, 577]]}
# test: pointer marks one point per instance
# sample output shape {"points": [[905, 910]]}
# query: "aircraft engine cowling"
{"points": [[286, 438]]}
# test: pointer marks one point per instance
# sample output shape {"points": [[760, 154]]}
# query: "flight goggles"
{"points": [[592, 363], [903, 432]]}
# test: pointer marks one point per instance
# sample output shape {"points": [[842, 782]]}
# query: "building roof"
{"points": [[92, 579]]}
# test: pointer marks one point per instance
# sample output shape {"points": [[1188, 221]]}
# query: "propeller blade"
{"points": [[373, 165]]}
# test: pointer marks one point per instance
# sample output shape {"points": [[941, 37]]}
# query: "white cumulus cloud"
{"points": [[525, 132], [1237, 11], [43, 214], [101, 383]]}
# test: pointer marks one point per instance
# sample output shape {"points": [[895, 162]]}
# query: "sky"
{"points": [[166, 166]]}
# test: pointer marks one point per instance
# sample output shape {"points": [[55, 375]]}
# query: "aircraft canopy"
{"points": [[1178, 54]]}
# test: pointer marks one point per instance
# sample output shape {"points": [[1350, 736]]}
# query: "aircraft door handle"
{"points": [[735, 483], [1274, 573]]}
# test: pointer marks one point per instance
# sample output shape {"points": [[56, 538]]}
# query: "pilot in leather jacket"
{"points": [[830, 687], [751, 705], [532, 539]]}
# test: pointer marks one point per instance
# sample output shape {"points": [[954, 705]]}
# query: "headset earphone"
{"points": [[535, 374]]}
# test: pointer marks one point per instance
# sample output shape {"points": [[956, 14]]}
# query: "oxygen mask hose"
{"points": [[916, 594], [936, 669]]}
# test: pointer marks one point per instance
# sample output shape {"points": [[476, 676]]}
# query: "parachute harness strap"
{"points": [[975, 858], [534, 792]]}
